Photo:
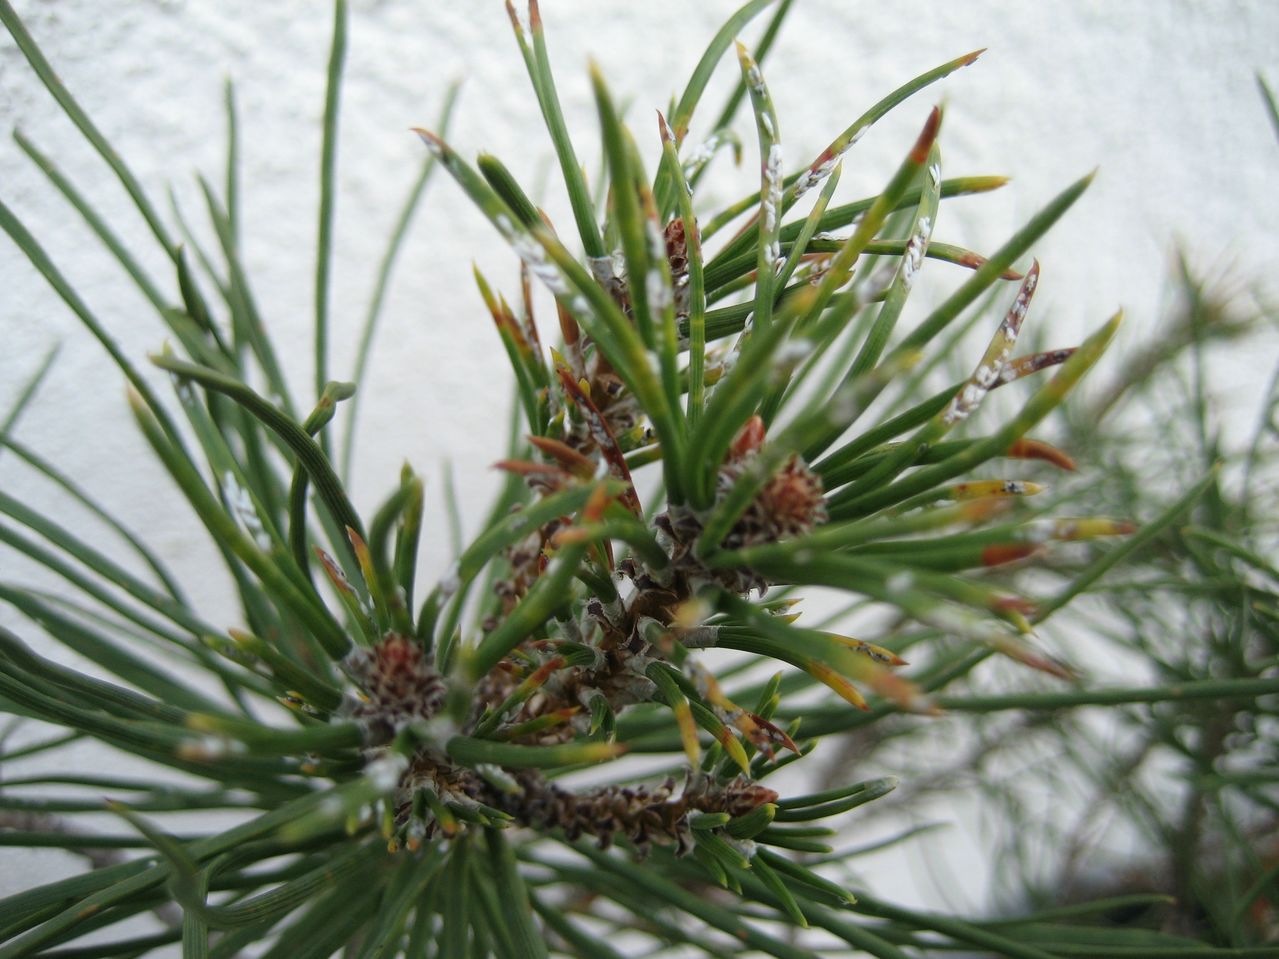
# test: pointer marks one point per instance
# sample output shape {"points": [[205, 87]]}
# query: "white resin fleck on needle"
{"points": [[916, 247], [989, 371], [773, 200]]}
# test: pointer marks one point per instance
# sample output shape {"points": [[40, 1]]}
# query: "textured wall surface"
{"points": [[1160, 96]]}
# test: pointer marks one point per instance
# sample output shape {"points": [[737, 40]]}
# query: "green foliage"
{"points": [[1189, 781], [401, 774]]}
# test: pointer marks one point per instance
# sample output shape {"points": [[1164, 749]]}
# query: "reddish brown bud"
{"points": [[919, 153], [750, 439], [1028, 449], [1006, 553], [400, 683]]}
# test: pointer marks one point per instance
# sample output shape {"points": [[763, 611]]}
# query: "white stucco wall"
{"points": [[1160, 95]]}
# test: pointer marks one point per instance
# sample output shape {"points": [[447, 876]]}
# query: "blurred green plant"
{"points": [[402, 766], [1195, 780], [1167, 809]]}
